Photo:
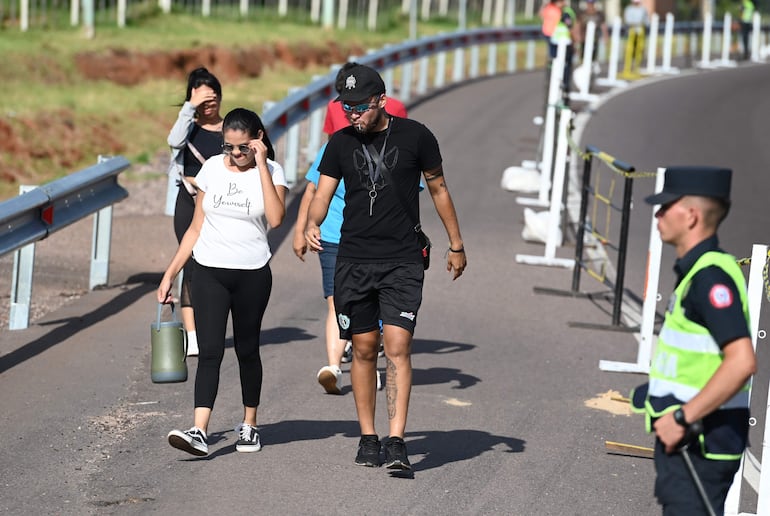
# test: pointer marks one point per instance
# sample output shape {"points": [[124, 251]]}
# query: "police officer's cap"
{"points": [[711, 182]]}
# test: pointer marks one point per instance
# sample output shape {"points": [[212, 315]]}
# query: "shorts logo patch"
{"points": [[720, 296], [407, 315], [344, 321]]}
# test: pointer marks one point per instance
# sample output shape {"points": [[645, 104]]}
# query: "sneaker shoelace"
{"points": [[244, 431]]}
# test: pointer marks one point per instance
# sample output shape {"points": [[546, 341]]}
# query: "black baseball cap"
{"points": [[361, 82], [711, 182]]}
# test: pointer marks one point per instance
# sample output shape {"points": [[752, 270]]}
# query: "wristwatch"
{"points": [[680, 419]]}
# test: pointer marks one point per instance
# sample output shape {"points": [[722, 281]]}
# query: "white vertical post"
{"points": [[422, 78], [529, 9], [510, 21], [705, 60], [283, 8], [387, 78], [486, 12], [651, 298], [756, 34], [315, 130], [243, 8], [100, 248], [413, 20], [21, 281], [443, 8], [342, 16], [121, 13], [406, 81], [425, 10], [554, 212], [726, 37], [497, 21], [205, 8], [612, 65], [530, 63], [582, 74], [492, 59], [440, 77], [755, 294], [372, 18], [315, 10], [668, 36], [458, 70], [473, 71], [652, 44], [328, 14], [75, 12], [405, 6], [24, 15], [554, 92]]}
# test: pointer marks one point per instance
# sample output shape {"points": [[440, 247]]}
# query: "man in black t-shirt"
{"points": [[379, 273]]}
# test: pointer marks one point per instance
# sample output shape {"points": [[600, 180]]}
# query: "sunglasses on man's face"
{"points": [[358, 108], [228, 148]]}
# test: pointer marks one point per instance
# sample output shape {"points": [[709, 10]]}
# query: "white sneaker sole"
{"points": [[248, 448], [181, 441], [328, 381]]}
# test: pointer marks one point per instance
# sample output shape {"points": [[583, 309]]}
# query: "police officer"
{"points": [[704, 357]]}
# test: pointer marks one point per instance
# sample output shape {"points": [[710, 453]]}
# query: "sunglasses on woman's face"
{"points": [[228, 148]]}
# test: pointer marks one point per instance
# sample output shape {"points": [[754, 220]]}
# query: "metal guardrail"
{"points": [[41, 211]]}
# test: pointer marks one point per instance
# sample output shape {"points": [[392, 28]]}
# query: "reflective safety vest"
{"points": [[747, 11], [687, 356], [562, 30]]}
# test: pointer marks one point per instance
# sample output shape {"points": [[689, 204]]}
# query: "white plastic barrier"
{"points": [[553, 239], [757, 477], [725, 60], [582, 74], [612, 66], [546, 162]]}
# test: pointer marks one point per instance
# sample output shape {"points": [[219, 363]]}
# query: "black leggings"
{"points": [[217, 293], [183, 215]]}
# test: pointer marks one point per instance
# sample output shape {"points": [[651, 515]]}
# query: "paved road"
{"points": [[498, 420]]}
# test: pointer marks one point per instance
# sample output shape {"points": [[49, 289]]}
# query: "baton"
{"points": [[695, 430]]}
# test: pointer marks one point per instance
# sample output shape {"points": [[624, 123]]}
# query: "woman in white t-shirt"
{"points": [[241, 194]]}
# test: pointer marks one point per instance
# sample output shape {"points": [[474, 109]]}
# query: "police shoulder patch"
{"points": [[720, 296]]}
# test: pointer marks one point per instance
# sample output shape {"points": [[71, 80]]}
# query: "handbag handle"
{"points": [[160, 308]]}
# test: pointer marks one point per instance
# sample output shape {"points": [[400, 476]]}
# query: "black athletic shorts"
{"points": [[364, 293]]}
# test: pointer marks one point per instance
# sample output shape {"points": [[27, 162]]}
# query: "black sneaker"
{"points": [[248, 439], [192, 441], [395, 454], [368, 451]]}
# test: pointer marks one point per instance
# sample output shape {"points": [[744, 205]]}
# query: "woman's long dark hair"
{"points": [[241, 119], [199, 77]]}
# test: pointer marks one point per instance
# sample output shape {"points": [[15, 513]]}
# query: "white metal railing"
{"points": [[41, 211]]}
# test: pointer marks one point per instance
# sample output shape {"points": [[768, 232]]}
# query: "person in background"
{"points": [[636, 19], [747, 21], [241, 193], [697, 398], [592, 14], [337, 350], [195, 137], [379, 271]]}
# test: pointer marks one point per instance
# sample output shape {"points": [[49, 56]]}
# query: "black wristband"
{"points": [[461, 250], [680, 419]]}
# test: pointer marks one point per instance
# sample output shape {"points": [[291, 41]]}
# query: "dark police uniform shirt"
{"points": [[713, 301]]}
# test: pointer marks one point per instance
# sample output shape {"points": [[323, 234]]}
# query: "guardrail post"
{"points": [[422, 79], [473, 73], [21, 282], [100, 243], [458, 70], [406, 82], [492, 59], [530, 65], [291, 161], [314, 133], [440, 70]]}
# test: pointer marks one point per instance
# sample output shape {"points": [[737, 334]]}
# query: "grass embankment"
{"points": [[55, 121]]}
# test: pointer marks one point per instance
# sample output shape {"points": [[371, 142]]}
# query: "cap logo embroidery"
{"points": [[350, 82]]}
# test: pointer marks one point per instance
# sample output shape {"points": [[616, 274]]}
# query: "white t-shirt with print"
{"points": [[234, 232]]}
